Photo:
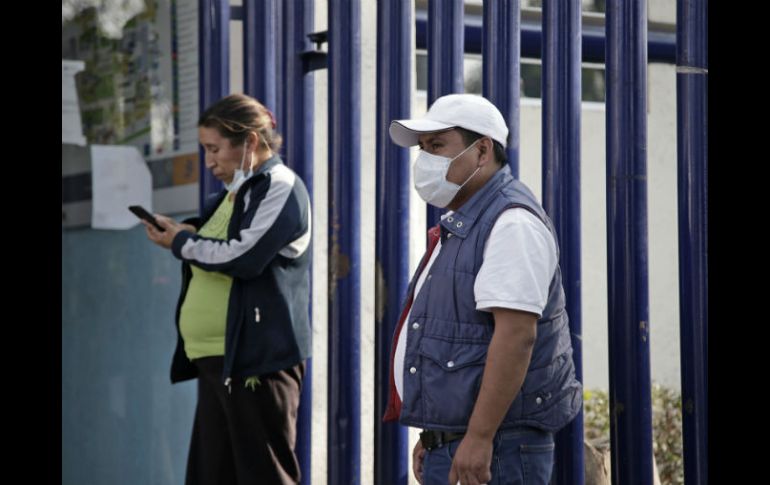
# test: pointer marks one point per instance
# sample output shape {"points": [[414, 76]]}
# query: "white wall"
{"points": [[662, 236], [320, 264], [368, 226], [663, 11], [662, 216]]}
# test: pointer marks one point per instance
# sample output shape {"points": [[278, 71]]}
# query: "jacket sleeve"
{"points": [[280, 221]]}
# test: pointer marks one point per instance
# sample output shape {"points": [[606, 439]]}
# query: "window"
{"points": [[592, 78]]}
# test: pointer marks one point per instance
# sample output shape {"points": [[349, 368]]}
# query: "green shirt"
{"points": [[203, 317]]}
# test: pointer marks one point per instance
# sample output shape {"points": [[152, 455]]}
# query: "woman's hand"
{"points": [[172, 228]]}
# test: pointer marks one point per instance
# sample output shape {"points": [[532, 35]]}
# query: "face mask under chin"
{"points": [[239, 177]]}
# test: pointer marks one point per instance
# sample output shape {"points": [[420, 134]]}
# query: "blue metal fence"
{"points": [[692, 146], [344, 443], [277, 60], [394, 51], [502, 63], [628, 301], [445, 59], [561, 193], [214, 73]]}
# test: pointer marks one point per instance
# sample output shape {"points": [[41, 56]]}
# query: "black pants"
{"points": [[244, 436]]}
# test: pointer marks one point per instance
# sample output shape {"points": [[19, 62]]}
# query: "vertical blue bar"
{"points": [[692, 136], [344, 460], [445, 59], [561, 193], [295, 89], [294, 112], [259, 48], [214, 73], [394, 55], [661, 45], [501, 50], [283, 53], [629, 327]]}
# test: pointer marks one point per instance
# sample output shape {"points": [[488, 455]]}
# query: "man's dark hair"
{"points": [[470, 136]]}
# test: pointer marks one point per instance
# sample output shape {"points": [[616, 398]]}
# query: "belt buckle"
{"points": [[429, 439]]}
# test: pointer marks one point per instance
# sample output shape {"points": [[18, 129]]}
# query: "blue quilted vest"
{"points": [[447, 339]]}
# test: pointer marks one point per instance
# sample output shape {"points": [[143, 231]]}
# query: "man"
{"points": [[482, 357]]}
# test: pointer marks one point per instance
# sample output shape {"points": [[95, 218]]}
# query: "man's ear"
{"points": [[486, 151]]}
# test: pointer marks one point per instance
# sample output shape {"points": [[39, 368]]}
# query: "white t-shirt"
{"points": [[518, 264]]}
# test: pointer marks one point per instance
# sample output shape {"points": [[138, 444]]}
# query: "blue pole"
{"points": [[214, 74], [445, 59], [294, 112], [561, 193], [692, 136], [629, 327], [661, 45], [501, 63], [259, 47], [344, 447], [394, 55]]}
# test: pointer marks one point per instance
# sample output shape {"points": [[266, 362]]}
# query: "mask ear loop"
{"points": [[263, 140], [243, 158], [478, 167], [251, 155], [251, 162]]}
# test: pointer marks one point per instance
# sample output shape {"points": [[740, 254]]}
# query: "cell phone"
{"points": [[142, 213]]}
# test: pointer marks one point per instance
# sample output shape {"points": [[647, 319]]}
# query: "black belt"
{"points": [[432, 439]]}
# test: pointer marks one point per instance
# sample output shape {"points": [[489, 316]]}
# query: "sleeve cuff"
{"points": [[193, 221], [488, 305], [179, 241]]}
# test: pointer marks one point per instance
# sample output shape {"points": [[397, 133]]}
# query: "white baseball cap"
{"points": [[468, 111]]}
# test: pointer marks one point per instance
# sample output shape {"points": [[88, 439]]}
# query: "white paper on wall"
{"points": [[120, 178], [71, 127]]}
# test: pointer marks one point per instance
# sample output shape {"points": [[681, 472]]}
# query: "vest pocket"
{"points": [[543, 398], [451, 377]]}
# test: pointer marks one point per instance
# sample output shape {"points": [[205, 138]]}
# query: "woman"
{"points": [[242, 314]]}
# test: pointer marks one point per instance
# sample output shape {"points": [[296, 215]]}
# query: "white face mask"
{"points": [[239, 177], [430, 178]]}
